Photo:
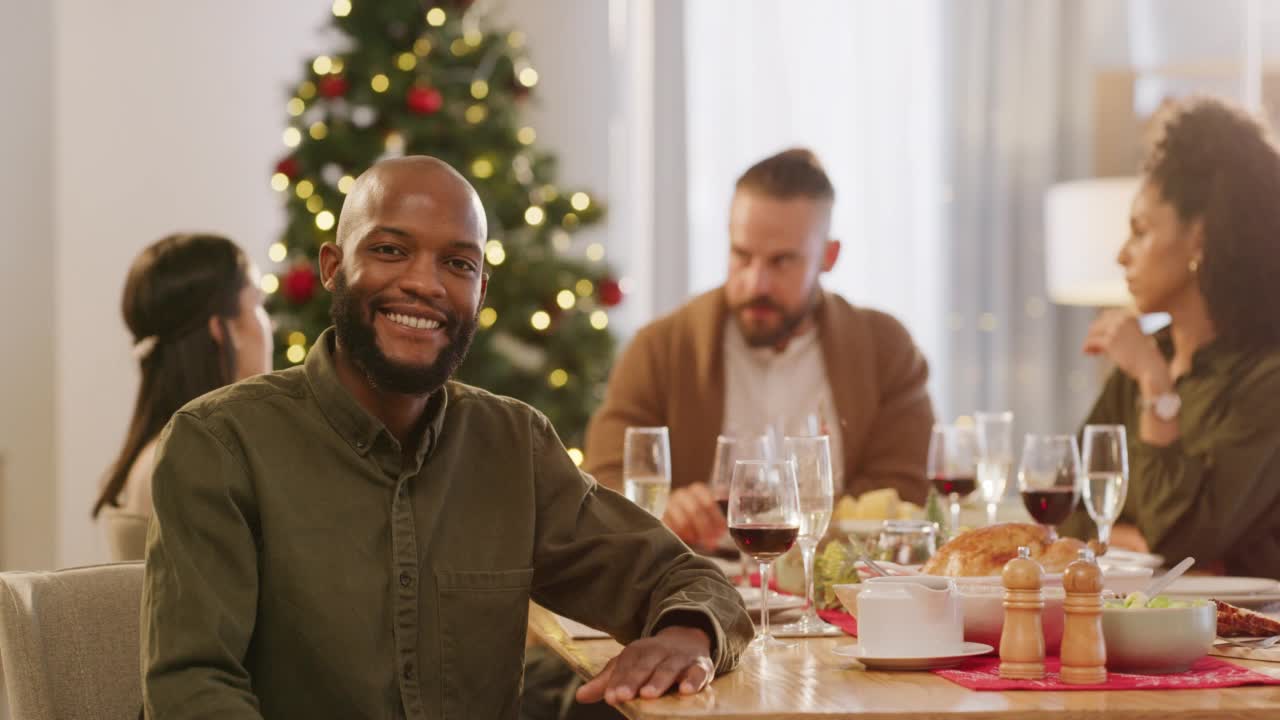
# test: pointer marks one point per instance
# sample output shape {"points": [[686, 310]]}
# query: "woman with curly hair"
{"points": [[1200, 400]]}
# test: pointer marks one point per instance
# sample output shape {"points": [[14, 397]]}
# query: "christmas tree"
{"points": [[434, 79]]}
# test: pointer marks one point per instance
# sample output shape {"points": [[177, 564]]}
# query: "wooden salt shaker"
{"points": [[1084, 652], [1022, 639]]}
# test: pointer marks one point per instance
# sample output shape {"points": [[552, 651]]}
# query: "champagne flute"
{"points": [[1049, 477], [646, 468], [1106, 467], [764, 521], [729, 450], [995, 457], [811, 456], [951, 465]]}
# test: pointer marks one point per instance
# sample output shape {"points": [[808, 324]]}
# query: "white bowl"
{"points": [[983, 607], [1121, 580], [1155, 641]]}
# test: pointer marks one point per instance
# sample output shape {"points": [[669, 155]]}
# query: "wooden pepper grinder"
{"points": [[1022, 639], [1084, 652]]}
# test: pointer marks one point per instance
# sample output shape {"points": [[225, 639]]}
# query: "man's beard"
{"points": [[787, 326], [356, 335]]}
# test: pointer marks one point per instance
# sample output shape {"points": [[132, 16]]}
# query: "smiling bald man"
{"points": [[360, 536]]}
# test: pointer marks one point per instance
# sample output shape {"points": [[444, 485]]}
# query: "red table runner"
{"points": [[984, 674]]}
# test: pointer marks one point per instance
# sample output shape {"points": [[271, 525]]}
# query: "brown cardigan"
{"points": [[672, 374]]}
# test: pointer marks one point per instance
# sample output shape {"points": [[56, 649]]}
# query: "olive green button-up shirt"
{"points": [[301, 566], [1215, 493]]}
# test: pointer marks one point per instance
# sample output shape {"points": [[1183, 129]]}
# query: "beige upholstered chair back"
{"points": [[126, 534], [69, 642]]}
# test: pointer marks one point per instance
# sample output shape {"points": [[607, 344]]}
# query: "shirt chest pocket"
{"points": [[483, 620]]}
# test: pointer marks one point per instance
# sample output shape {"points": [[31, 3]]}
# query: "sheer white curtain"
{"points": [[858, 83]]}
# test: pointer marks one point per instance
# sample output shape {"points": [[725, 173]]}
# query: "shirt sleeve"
{"points": [[631, 400], [1210, 492], [897, 446], [603, 561], [200, 589]]}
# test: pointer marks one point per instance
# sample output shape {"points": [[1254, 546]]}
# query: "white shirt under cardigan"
{"points": [[782, 393]]}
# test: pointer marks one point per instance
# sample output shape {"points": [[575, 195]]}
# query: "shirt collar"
{"points": [[356, 426], [769, 356]]}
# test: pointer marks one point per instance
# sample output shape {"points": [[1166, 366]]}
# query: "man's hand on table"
{"points": [[675, 657], [693, 515], [1128, 537]]}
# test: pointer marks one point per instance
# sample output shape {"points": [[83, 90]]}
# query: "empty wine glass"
{"points": [[951, 465], [646, 468], [1049, 477], [1106, 468], [812, 459], [764, 521], [995, 457]]}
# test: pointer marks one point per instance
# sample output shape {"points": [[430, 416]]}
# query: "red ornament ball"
{"points": [[609, 292], [424, 100], [299, 284], [288, 167], [333, 86]]}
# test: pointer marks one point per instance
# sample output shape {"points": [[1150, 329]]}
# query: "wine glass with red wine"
{"points": [[729, 450], [1049, 477], [952, 466], [764, 521]]}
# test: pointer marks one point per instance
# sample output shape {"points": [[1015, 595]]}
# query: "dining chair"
{"points": [[69, 642]]}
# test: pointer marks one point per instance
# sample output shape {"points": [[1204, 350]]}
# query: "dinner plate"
{"points": [[1117, 556], [1213, 586], [777, 601], [854, 650], [1242, 591]]}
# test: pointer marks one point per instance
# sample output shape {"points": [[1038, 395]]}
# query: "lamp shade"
{"points": [[1086, 223]]}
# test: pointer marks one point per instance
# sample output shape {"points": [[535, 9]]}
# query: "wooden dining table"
{"points": [[808, 681]]}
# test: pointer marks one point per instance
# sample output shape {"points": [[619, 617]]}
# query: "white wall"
{"points": [[181, 132], [167, 116], [26, 296]]}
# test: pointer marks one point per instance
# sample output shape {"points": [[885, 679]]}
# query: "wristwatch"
{"points": [[1164, 406]]}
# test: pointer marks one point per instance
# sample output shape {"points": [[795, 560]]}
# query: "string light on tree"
{"points": [[566, 299], [436, 17], [341, 8], [580, 201], [482, 168], [296, 354], [297, 337], [528, 77], [488, 317], [269, 283], [304, 189], [479, 89], [534, 215], [379, 83], [325, 220], [515, 39], [599, 319], [406, 61], [295, 107], [277, 252], [292, 136], [526, 135], [315, 204], [306, 90], [322, 65], [318, 131], [595, 252], [558, 378], [584, 288], [476, 114], [345, 183], [540, 320], [422, 47], [279, 182], [494, 253]]}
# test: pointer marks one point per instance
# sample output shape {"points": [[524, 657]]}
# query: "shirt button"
{"points": [[405, 579], [408, 671]]}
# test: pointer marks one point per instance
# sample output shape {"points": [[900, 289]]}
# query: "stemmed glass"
{"points": [[952, 462], [646, 468], [764, 521], [812, 459], [995, 457], [1049, 477], [1106, 467], [729, 450]]}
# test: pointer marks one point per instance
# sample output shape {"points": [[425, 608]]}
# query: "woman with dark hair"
{"points": [[1200, 400], [195, 310]]}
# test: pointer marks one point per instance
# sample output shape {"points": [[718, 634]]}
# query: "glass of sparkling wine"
{"points": [[764, 521], [995, 457], [1106, 467], [812, 458], [646, 468]]}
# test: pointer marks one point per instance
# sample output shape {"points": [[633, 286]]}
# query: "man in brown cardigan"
{"points": [[682, 370]]}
